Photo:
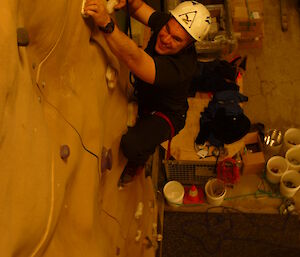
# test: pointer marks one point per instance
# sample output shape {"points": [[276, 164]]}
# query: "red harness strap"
{"points": [[165, 117]]}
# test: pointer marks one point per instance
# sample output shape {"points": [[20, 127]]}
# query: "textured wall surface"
{"points": [[54, 93]]}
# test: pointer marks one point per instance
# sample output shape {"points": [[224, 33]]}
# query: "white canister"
{"points": [[215, 191], [290, 183], [293, 158], [276, 166], [174, 193], [291, 138]]}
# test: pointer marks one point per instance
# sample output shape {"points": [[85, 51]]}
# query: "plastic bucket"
{"points": [[276, 166], [174, 192], [293, 158], [215, 191], [291, 138], [290, 183]]}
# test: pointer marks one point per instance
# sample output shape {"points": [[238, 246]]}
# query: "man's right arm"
{"points": [[138, 10]]}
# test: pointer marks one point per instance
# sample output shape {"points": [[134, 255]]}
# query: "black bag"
{"points": [[223, 121]]}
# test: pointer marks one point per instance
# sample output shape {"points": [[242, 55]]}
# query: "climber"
{"points": [[162, 71]]}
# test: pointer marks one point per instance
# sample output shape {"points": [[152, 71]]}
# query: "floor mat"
{"points": [[230, 233]]}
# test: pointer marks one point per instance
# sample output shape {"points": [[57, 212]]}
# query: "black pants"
{"points": [[141, 140]]}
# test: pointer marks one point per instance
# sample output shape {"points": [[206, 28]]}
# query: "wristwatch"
{"points": [[109, 28]]}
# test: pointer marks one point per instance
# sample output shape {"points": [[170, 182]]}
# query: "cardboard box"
{"points": [[250, 39], [247, 17], [253, 157], [240, 8]]}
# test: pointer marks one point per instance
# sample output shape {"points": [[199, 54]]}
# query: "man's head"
{"points": [[190, 21], [172, 38]]}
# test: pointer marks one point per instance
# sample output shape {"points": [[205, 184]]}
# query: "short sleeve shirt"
{"points": [[170, 90]]}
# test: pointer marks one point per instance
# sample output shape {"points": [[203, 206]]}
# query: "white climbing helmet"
{"points": [[193, 17]]}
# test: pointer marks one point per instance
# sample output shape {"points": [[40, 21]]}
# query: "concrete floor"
{"points": [[272, 79]]}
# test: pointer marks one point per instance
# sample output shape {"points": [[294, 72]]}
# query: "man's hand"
{"points": [[138, 61], [97, 10], [133, 4]]}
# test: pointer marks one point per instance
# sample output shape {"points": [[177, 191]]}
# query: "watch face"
{"points": [[109, 28]]}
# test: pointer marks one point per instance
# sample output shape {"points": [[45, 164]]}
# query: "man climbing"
{"points": [[162, 71]]}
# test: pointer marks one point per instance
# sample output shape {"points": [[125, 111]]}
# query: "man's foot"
{"points": [[129, 174]]}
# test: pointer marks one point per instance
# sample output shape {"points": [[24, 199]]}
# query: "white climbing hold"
{"points": [[110, 5], [139, 210], [132, 113], [111, 77], [138, 235], [159, 237], [84, 15]]}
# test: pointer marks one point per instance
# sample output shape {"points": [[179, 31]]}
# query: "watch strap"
{"points": [[109, 27]]}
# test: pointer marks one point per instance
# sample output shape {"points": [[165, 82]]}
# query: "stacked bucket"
{"points": [[283, 169]]}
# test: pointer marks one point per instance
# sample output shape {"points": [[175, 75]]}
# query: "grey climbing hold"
{"points": [[106, 159], [22, 37], [64, 152]]}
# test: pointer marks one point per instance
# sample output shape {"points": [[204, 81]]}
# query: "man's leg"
{"points": [[140, 142]]}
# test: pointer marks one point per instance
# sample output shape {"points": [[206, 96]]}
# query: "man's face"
{"points": [[172, 38]]}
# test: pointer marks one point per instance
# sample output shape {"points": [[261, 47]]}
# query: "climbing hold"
{"points": [[84, 15], [110, 5], [22, 37], [64, 152], [132, 111], [138, 235], [159, 237], [111, 77], [139, 210]]}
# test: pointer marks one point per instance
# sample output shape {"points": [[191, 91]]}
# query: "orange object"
{"points": [[193, 195]]}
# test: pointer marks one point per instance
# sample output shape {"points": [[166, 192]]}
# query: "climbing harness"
{"points": [[165, 117]]}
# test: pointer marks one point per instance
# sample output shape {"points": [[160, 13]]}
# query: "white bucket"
{"points": [[174, 192], [290, 183], [291, 138], [293, 158], [215, 191], [276, 166]]}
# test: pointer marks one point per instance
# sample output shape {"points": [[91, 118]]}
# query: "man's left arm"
{"points": [[138, 10], [137, 60]]}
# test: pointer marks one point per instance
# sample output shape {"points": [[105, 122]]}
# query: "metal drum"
{"points": [[272, 143]]}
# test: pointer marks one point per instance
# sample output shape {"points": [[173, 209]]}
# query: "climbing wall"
{"points": [[63, 109]]}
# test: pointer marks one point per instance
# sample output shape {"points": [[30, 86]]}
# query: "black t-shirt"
{"points": [[170, 90]]}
